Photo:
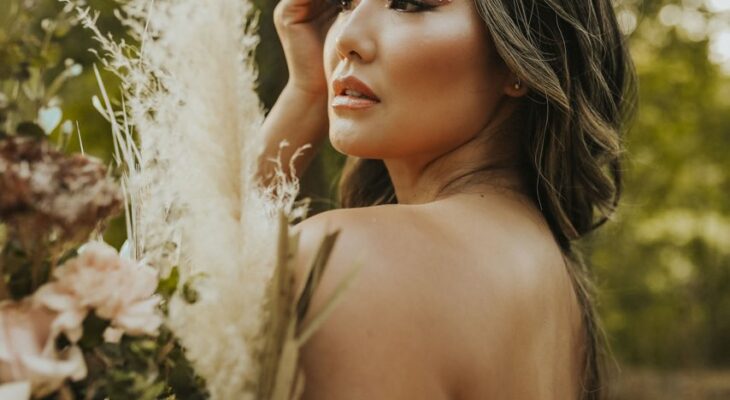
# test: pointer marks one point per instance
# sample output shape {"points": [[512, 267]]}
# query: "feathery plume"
{"points": [[192, 197]]}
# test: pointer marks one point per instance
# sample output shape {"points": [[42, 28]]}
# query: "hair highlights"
{"points": [[575, 62]]}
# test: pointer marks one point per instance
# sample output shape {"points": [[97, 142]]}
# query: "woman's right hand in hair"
{"points": [[302, 26]]}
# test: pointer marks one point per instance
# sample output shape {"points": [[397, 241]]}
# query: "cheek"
{"points": [[444, 86], [329, 55]]}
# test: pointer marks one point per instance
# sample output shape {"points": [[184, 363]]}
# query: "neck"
{"points": [[489, 161]]}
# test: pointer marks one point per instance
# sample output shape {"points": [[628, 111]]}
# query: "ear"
{"points": [[514, 86]]}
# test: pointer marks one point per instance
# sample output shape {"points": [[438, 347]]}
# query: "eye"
{"points": [[400, 5], [343, 5], [409, 5]]}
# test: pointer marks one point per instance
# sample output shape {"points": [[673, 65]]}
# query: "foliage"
{"points": [[30, 58], [663, 265], [138, 367]]}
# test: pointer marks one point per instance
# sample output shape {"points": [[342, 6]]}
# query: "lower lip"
{"points": [[352, 103]]}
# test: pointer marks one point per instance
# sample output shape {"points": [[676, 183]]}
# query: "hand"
{"points": [[302, 26]]}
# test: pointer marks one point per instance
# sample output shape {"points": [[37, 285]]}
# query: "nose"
{"points": [[355, 35]]}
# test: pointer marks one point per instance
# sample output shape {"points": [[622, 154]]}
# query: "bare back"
{"points": [[463, 298]]}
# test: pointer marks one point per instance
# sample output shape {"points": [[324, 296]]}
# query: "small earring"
{"points": [[518, 85]]}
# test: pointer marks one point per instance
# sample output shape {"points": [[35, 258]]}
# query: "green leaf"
{"points": [[167, 286], [316, 271], [62, 28], [329, 305], [52, 57], [143, 347], [3, 233]]}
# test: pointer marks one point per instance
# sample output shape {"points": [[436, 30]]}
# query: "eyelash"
{"points": [[344, 5]]}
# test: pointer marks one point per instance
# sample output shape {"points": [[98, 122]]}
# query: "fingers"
{"points": [[289, 12]]}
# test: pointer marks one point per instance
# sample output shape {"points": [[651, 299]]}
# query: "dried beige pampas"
{"points": [[192, 197]]}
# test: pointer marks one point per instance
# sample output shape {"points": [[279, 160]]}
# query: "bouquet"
{"points": [[200, 302], [63, 306]]}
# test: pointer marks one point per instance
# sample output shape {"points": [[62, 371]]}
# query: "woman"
{"points": [[484, 137]]}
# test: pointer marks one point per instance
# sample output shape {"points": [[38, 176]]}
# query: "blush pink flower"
{"points": [[28, 353], [115, 288]]}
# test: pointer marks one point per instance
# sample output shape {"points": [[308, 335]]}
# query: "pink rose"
{"points": [[116, 288], [27, 349]]}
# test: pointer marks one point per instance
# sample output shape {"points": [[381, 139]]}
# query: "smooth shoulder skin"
{"points": [[464, 298]]}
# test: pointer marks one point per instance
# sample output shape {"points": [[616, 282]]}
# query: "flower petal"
{"points": [[140, 318], [15, 391], [113, 335], [48, 374]]}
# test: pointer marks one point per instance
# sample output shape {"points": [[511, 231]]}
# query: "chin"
{"points": [[364, 147], [347, 145], [352, 143], [382, 145]]}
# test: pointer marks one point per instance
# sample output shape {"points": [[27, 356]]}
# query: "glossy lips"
{"points": [[352, 94]]}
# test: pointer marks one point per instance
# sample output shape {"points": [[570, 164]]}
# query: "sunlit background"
{"points": [[662, 266], [693, 20]]}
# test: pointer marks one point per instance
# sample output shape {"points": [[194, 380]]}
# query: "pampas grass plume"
{"points": [[192, 198]]}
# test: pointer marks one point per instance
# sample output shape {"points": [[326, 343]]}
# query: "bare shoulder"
{"points": [[371, 346], [447, 304], [364, 234]]}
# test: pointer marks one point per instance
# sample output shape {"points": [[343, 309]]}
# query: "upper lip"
{"points": [[339, 86]]}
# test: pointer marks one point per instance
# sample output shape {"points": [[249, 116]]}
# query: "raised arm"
{"points": [[299, 116]]}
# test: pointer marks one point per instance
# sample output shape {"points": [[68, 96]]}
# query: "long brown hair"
{"points": [[575, 61]]}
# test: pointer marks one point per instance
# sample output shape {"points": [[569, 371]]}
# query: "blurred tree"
{"points": [[664, 264]]}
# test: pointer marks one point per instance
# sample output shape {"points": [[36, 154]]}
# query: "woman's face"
{"points": [[435, 73]]}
